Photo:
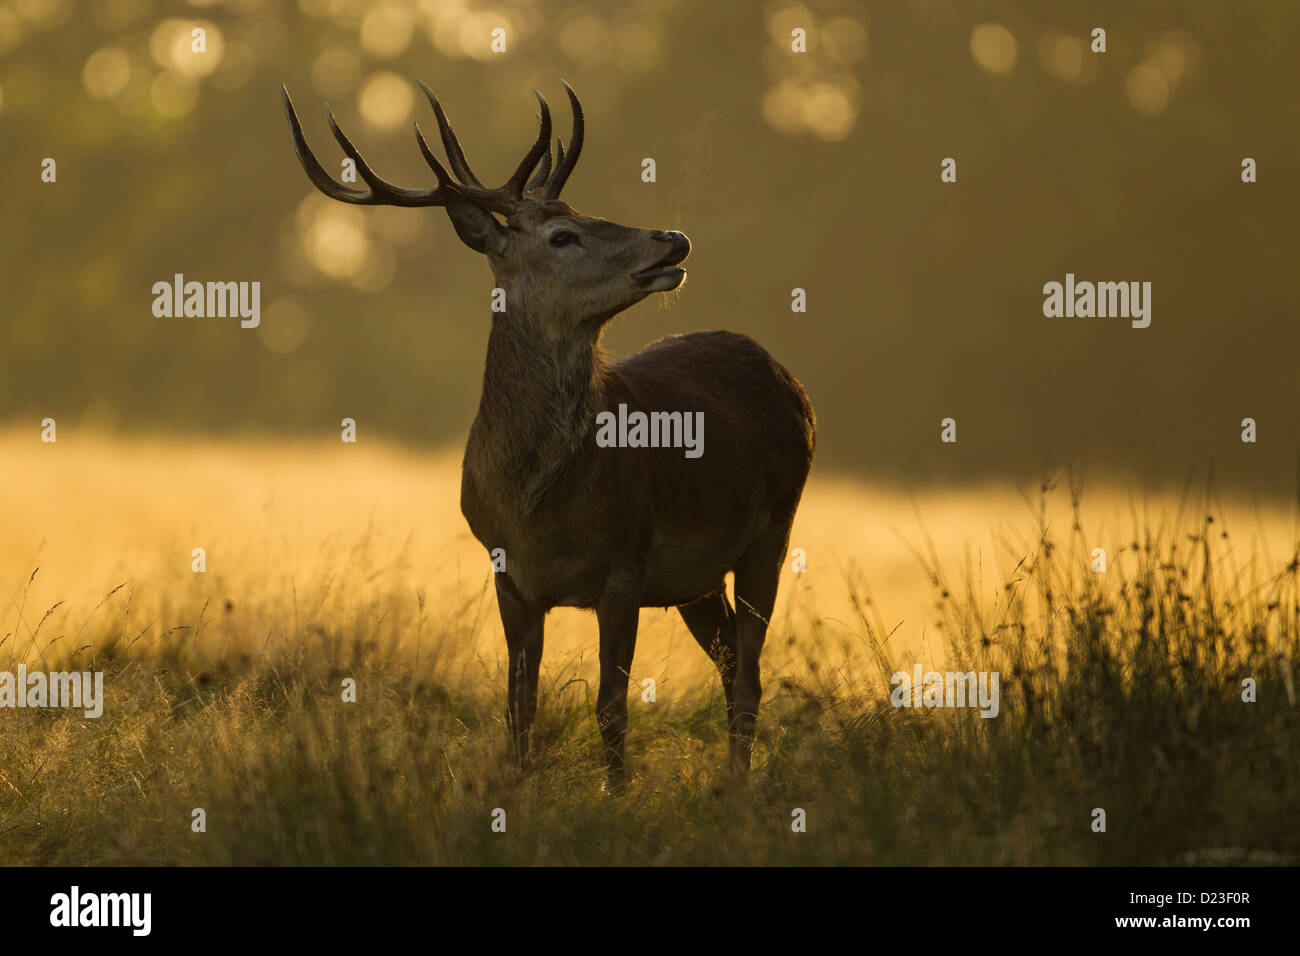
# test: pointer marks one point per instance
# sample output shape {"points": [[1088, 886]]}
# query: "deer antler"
{"points": [[564, 162], [380, 191], [545, 184], [504, 199]]}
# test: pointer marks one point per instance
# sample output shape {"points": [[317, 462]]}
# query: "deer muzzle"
{"points": [[664, 274]]}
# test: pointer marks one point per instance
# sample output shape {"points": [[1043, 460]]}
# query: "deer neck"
{"points": [[538, 408]]}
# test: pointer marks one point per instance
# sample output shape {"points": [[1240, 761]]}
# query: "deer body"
{"points": [[609, 529], [575, 519]]}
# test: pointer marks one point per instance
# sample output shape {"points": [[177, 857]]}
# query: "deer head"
{"points": [[560, 269]]}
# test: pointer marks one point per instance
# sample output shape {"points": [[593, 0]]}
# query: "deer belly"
{"points": [[674, 573], [683, 569], [557, 577]]}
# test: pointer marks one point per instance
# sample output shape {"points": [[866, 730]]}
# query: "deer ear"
{"points": [[477, 227]]}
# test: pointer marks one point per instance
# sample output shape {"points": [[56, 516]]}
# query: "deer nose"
{"points": [[680, 242]]}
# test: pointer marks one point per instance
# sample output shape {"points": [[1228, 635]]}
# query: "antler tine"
{"points": [[385, 193], [515, 184], [315, 172], [492, 199], [566, 161], [380, 193], [543, 170], [455, 155], [444, 178]]}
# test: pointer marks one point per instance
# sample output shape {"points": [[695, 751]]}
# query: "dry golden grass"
{"points": [[316, 528], [328, 561]]}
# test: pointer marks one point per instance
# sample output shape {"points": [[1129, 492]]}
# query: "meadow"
{"points": [[1121, 689]]}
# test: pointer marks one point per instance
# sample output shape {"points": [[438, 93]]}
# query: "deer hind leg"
{"points": [[524, 626], [618, 618], [758, 573], [712, 622]]}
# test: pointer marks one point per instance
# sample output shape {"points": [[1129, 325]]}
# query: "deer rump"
{"points": [[652, 520]]}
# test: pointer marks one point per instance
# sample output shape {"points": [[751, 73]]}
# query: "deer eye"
{"points": [[563, 238]]}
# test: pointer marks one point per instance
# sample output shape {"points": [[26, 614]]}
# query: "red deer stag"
{"points": [[581, 524]]}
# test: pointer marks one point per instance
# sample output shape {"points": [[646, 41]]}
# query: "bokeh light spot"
{"points": [[106, 73], [829, 112], [993, 48], [333, 236], [386, 101], [784, 17], [1064, 57], [386, 31], [1147, 89], [284, 326]]}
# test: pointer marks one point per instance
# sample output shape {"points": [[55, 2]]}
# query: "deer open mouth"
{"points": [[665, 274], [657, 275]]}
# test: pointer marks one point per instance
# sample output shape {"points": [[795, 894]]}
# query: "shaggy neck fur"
{"points": [[540, 398]]}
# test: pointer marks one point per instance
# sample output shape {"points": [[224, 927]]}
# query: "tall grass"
{"points": [[1121, 690]]}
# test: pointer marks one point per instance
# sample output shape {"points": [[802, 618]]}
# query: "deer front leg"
{"points": [[524, 626], [617, 617]]}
